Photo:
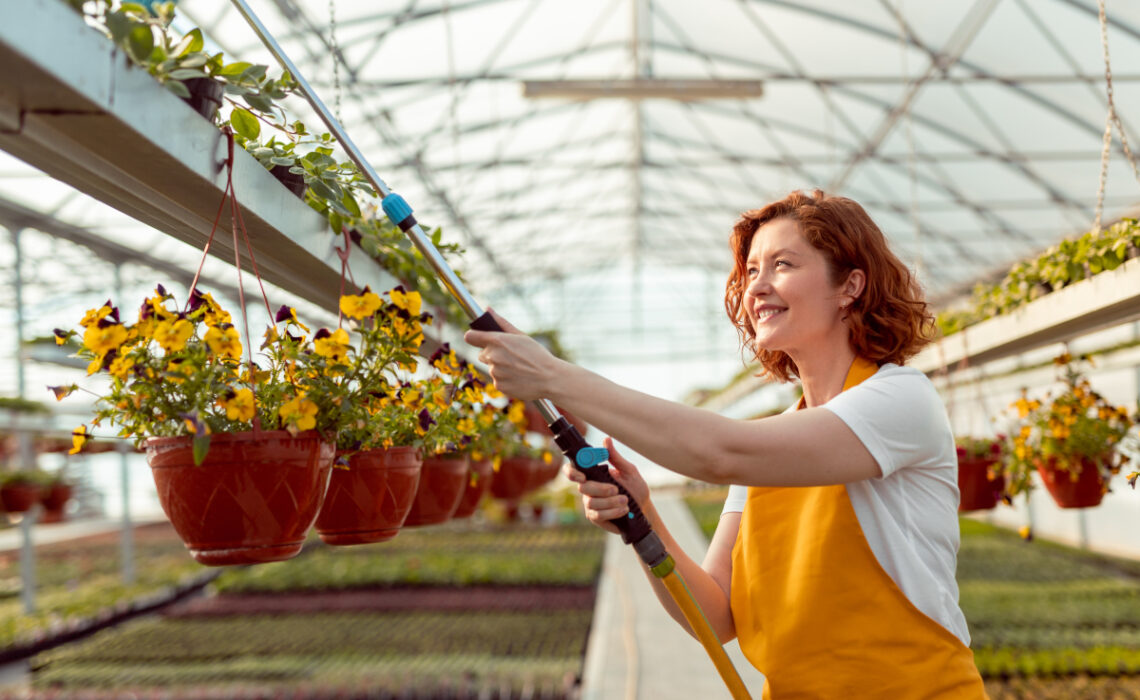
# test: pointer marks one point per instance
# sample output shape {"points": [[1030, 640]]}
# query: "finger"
{"points": [[607, 513], [479, 339], [573, 474], [616, 459], [597, 489], [504, 323]]}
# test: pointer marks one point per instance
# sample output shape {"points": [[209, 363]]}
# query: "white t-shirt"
{"points": [[910, 514]]}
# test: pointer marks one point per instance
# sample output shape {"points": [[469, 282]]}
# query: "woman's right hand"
{"points": [[601, 500]]}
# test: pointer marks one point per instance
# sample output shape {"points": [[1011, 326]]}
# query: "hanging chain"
{"points": [[336, 60], [1109, 120]]}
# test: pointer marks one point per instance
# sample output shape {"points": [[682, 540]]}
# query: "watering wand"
{"points": [[592, 461]]}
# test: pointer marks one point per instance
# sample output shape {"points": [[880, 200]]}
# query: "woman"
{"points": [[836, 567]]}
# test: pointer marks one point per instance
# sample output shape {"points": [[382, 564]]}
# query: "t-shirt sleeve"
{"points": [[899, 417], [737, 496]]}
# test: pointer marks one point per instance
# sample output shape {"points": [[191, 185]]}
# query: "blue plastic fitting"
{"points": [[396, 208], [591, 456]]}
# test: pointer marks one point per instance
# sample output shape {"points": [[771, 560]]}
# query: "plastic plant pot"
{"points": [[1086, 491], [512, 478], [205, 96], [251, 500], [979, 492], [369, 501], [479, 476], [442, 482], [20, 497]]}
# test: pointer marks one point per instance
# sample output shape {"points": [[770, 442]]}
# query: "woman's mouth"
{"points": [[765, 314]]}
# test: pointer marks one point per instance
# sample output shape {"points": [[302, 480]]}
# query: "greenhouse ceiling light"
{"points": [[644, 89]]}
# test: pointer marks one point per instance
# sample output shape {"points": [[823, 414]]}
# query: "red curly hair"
{"points": [[889, 322]]}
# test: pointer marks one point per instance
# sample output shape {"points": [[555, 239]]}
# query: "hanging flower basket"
{"points": [[442, 481], [20, 497], [54, 500], [251, 500], [1084, 490], [512, 478], [369, 501], [479, 477], [980, 484]]}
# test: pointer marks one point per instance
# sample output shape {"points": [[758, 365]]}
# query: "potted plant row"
{"points": [[1064, 264], [246, 98], [22, 489]]}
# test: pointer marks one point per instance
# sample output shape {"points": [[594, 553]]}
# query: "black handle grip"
{"points": [[634, 527]]}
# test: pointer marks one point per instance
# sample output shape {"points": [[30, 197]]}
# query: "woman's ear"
{"points": [[854, 285]]}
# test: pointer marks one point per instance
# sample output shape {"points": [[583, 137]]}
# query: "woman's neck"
{"points": [[823, 374]]}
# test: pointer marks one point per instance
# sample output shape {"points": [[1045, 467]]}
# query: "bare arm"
{"points": [[804, 448]]}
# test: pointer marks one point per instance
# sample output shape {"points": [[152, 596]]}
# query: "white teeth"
{"points": [[767, 314]]}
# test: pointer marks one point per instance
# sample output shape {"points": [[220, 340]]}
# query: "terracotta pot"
{"points": [[479, 476], [250, 501], [56, 497], [205, 96], [978, 491], [368, 501], [1085, 491], [19, 498], [293, 182], [541, 473], [512, 478], [442, 480]]}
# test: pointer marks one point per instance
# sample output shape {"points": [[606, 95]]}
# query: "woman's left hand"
{"points": [[519, 365]]}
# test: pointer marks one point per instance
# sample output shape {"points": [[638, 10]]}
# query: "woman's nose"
{"points": [[758, 286]]}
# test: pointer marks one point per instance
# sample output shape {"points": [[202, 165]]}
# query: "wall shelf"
{"points": [[1102, 301], [71, 106]]}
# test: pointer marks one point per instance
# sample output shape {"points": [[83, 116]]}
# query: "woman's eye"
{"points": [[781, 262], [752, 272]]}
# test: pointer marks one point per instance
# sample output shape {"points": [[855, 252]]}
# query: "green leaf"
{"points": [[136, 8], [186, 74], [245, 123], [191, 43], [258, 102], [322, 190], [119, 25], [195, 60], [177, 88], [350, 204], [234, 69], [140, 42], [282, 160], [201, 446]]}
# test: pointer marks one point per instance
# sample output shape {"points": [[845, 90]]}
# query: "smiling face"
{"points": [[790, 298]]}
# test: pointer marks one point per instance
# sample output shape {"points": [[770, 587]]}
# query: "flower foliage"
{"points": [[180, 372], [1067, 425]]}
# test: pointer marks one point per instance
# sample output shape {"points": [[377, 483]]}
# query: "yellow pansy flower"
{"points": [[223, 341], [103, 340], [240, 406], [172, 335], [408, 301], [121, 366], [361, 306], [333, 345], [299, 414], [93, 316], [78, 439]]}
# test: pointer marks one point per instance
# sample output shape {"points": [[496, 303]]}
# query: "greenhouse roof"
{"points": [[593, 156]]}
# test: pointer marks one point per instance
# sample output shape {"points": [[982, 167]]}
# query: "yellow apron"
{"points": [[817, 614]]}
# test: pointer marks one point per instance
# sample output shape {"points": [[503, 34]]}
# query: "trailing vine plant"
{"points": [[253, 98]]}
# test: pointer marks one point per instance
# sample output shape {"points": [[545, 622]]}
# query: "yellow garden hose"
{"points": [[667, 572]]}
